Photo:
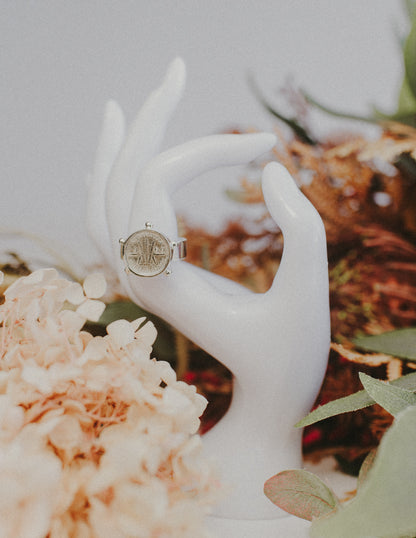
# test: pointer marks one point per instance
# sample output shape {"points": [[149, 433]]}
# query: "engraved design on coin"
{"points": [[147, 253]]}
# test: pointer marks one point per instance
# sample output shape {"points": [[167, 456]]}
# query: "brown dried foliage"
{"points": [[372, 263]]}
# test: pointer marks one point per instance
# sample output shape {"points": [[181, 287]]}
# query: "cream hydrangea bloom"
{"points": [[96, 439]]}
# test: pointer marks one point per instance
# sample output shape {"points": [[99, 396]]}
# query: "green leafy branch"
{"points": [[384, 506], [386, 488], [406, 103], [400, 343]]}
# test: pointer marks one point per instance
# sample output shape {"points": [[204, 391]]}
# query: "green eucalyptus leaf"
{"points": [[407, 117], [406, 108], [301, 494], [399, 343], [366, 465], [410, 6], [384, 506], [410, 58], [337, 113], [353, 402], [392, 399], [402, 115], [407, 101], [407, 165], [299, 130]]}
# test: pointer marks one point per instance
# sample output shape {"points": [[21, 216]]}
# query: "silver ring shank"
{"points": [[180, 249]]}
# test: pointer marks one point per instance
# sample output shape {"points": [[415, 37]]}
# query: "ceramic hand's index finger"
{"points": [[177, 166], [142, 143], [174, 168]]}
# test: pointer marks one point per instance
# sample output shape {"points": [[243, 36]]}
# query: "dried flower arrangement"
{"points": [[372, 271], [384, 502], [96, 438], [365, 191], [71, 403]]}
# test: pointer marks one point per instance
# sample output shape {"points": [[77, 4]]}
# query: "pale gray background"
{"points": [[61, 60]]}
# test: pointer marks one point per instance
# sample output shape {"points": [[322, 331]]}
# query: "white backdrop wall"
{"points": [[60, 61]]}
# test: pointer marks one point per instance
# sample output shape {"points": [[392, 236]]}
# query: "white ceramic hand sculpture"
{"points": [[275, 343]]}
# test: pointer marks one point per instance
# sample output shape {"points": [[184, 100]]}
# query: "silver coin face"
{"points": [[147, 253]]}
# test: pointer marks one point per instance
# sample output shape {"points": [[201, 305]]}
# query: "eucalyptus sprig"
{"points": [[384, 504], [406, 102], [400, 343], [386, 490]]}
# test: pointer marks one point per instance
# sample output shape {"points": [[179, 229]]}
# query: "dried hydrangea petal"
{"points": [[38, 377], [96, 350], [121, 332], [137, 323], [95, 285], [67, 433], [11, 419], [147, 333], [74, 293], [91, 309], [166, 372], [73, 321]]}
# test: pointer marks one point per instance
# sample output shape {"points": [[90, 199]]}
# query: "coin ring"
{"points": [[147, 253]]}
